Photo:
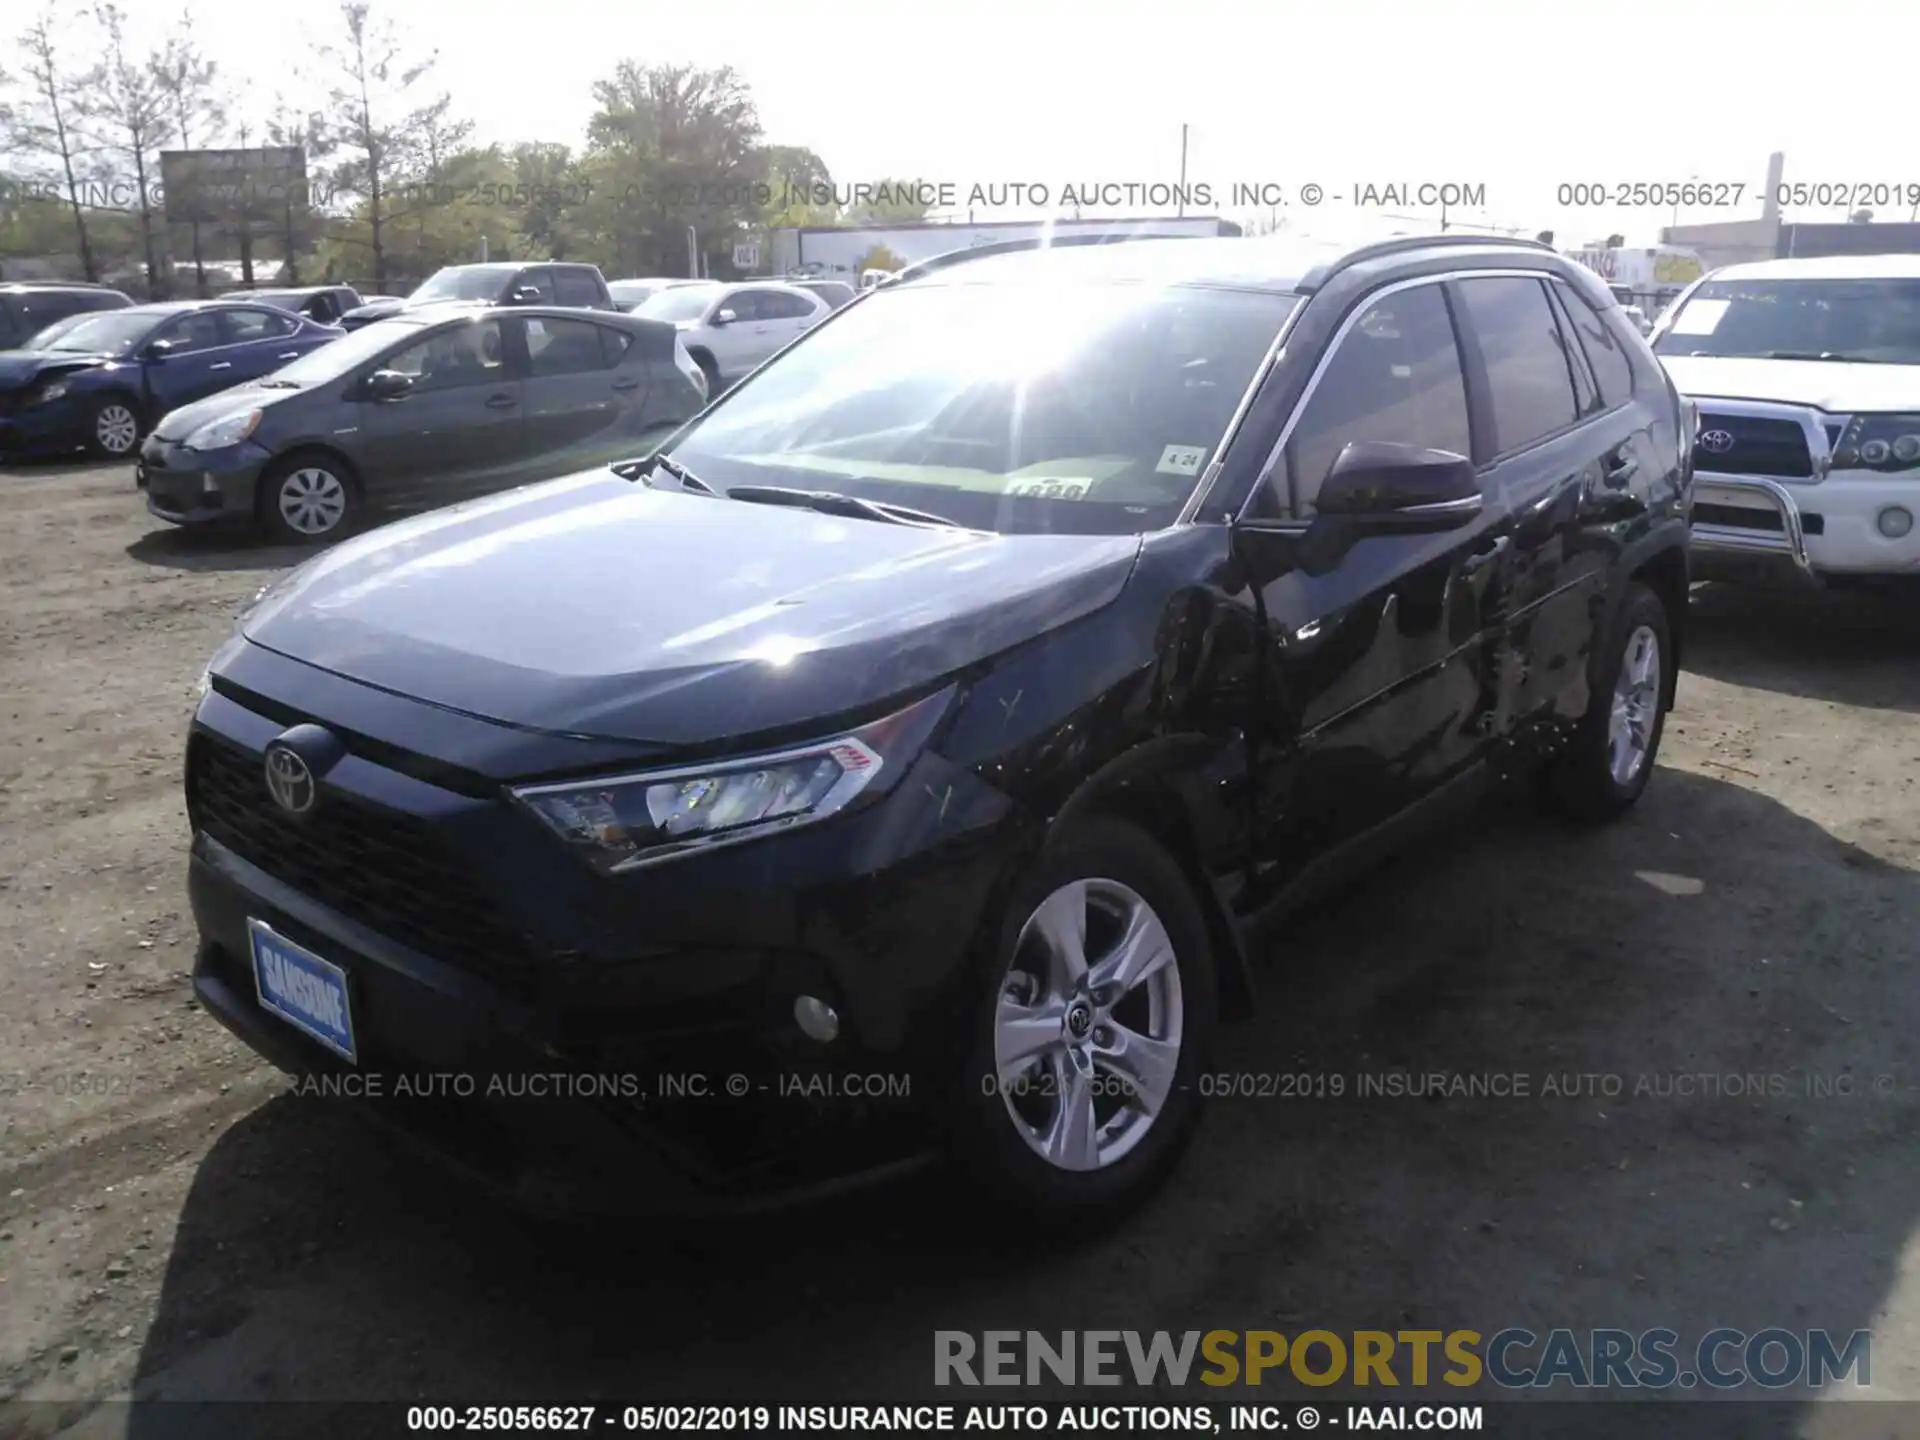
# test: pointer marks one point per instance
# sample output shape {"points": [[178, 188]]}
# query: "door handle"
{"points": [[500, 402], [629, 383], [223, 365], [1485, 556], [290, 355]]}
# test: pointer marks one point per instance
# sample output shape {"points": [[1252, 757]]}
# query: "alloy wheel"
{"points": [[312, 500], [1088, 1025], [1636, 705], [116, 429]]}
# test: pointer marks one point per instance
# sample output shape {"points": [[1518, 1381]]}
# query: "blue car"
{"points": [[106, 382]]}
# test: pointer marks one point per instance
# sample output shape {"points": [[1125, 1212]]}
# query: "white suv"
{"points": [[1807, 378], [730, 329]]}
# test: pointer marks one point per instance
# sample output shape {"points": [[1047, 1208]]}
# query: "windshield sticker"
{"points": [[1702, 317], [1181, 460], [1050, 489]]}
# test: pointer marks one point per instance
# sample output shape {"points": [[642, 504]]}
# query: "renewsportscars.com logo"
{"points": [[1514, 1359]]}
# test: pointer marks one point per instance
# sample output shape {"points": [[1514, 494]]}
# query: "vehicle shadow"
{"points": [[212, 550], [1848, 647], [1714, 934]]}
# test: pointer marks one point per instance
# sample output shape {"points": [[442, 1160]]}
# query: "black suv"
{"points": [[545, 282], [27, 307], [912, 754]]}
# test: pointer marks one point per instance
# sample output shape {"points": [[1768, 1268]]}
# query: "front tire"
{"points": [[113, 428], [1612, 754], [307, 499], [1082, 1088]]}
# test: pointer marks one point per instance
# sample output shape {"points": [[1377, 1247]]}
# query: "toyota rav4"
{"points": [[911, 756]]}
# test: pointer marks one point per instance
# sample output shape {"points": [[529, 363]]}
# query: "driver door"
{"points": [[1382, 687]]}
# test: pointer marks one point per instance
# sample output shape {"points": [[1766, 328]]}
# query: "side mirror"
{"points": [[156, 350], [1389, 487], [388, 385], [724, 317], [524, 295]]}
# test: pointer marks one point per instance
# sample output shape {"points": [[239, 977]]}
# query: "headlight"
{"points": [[1888, 443], [630, 821], [218, 434]]}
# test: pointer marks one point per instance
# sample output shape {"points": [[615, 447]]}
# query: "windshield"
{"points": [[1081, 409], [631, 292], [337, 357], [682, 302], [1870, 320], [43, 339], [114, 333], [462, 282]]}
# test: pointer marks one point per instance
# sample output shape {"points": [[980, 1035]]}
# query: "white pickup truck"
{"points": [[1807, 377]]}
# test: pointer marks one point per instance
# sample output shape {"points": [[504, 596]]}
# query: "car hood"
{"points": [[1830, 385], [596, 606], [177, 424], [21, 367], [373, 308]]}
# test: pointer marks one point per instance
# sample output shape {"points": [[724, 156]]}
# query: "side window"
{"points": [[747, 305], [563, 347], [1396, 377], [13, 325], [199, 331], [1586, 399], [575, 287], [540, 279], [614, 344], [1611, 368], [1527, 368], [244, 325], [778, 305], [470, 353]]}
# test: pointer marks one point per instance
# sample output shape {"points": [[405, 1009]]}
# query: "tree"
{"points": [[298, 222], [379, 123], [878, 258], [552, 188], [188, 81], [672, 148], [801, 191], [126, 115], [41, 122], [892, 202]]}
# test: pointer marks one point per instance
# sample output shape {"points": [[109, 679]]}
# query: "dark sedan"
{"points": [[103, 382], [434, 405], [324, 303]]}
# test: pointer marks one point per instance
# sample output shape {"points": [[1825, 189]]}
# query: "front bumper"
{"points": [[1818, 529], [52, 427], [200, 487], [625, 1045]]}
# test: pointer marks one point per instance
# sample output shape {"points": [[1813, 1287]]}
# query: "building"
{"points": [[842, 252], [1857, 238]]}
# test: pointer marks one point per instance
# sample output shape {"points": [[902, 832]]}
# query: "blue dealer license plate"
{"points": [[302, 989]]}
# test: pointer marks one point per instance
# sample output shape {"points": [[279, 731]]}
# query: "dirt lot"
{"points": [[173, 1224]]}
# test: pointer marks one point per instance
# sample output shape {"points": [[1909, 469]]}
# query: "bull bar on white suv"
{"points": [[1790, 543]]}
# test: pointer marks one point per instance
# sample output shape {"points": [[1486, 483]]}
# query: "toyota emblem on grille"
{"points": [[289, 780], [1716, 442]]}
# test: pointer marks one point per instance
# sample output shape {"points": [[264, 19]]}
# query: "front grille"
{"points": [[1760, 447], [1743, 518], [382, 868]]}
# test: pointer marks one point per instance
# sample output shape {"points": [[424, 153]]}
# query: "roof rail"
{"points": [[1014, 247], [1400, 244]]}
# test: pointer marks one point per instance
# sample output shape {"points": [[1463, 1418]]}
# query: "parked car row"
{"points": [[957, 699]]}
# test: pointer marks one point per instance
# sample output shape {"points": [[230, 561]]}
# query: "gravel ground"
{"points": [[173, 1223]]}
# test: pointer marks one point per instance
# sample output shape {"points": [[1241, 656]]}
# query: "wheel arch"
{"points": [[349, 472], [1665, 571], [1162, 787]]}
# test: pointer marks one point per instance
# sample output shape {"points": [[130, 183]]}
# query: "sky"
{"points": [[1513, 100]]}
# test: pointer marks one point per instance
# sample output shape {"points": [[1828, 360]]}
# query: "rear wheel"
{"points": [[1083, 1086], [306, 498], [1611, 757], [710, 370], [113, 427]]}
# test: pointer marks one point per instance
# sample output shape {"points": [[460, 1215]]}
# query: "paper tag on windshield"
{"points": [[1702, 317], [1181, 459], [1050, 489]]}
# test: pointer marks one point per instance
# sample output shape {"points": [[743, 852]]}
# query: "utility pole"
{"points": [[693, 254], [1183, 172]]}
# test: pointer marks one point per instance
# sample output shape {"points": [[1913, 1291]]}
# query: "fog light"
{"points": [[816, 1019], [1895, 521]]}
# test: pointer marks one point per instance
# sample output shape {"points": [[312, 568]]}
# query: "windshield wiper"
{"points": [[829, 502], [1825, 355], [271, 384], [640, 469]]}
